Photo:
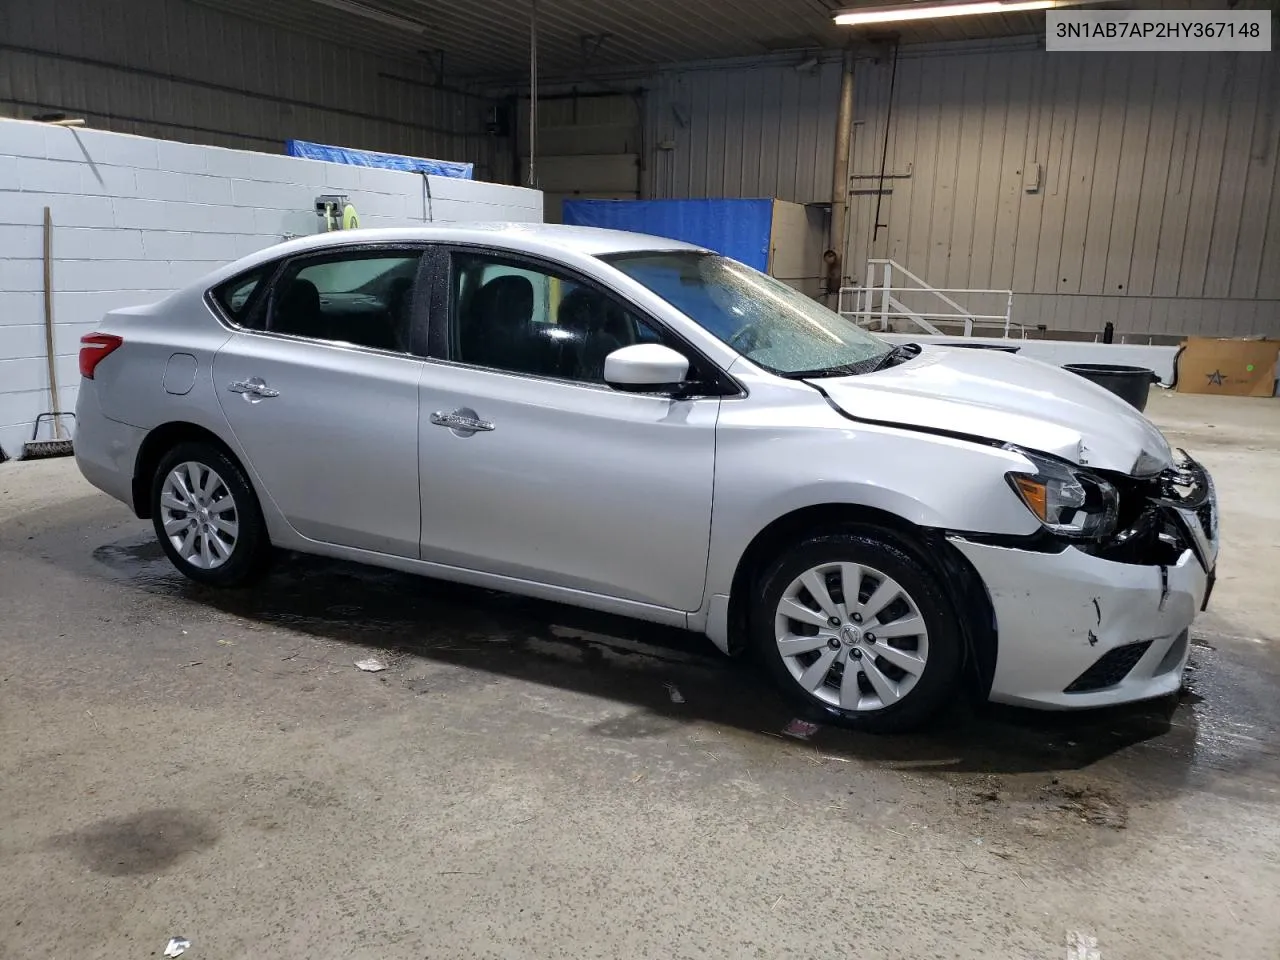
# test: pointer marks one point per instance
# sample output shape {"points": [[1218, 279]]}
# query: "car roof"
{"points": [[546, 238]]}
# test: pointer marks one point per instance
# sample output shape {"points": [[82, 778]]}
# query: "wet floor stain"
{"points": [[1090, 804], [443, 638], [141, 843], [635, 725], [130, 555], [1058, 805]]}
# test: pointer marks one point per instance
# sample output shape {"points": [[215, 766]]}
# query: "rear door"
{"points": [[321, 392]]}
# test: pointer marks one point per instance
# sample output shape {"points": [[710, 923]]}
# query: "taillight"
{"points": [[94, 347]]}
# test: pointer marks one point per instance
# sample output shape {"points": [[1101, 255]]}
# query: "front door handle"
{"points": [[462, 421], [253, 389]]}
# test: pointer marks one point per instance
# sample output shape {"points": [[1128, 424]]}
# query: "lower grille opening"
{"points": [[1173, 656], [1112, 667]]}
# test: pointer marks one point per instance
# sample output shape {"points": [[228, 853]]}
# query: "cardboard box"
{"points": [[1231, 368]]}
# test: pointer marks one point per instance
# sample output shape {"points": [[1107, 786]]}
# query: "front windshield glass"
{"points": [[773, 325]]}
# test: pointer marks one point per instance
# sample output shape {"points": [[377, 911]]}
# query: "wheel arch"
{"points": [[957, 576], [157, 443]]}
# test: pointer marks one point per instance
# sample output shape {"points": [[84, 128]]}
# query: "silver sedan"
{"points": [[644, 427]]}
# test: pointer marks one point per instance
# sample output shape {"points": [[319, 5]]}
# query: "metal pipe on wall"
{"points": [[533, 93], [884, 153], [837, 240]]}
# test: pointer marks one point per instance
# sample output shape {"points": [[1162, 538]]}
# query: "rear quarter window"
{"points": [[235, 296]]}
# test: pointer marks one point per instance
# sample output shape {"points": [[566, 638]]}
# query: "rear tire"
{"points": [[855, 629], [207, 517]]}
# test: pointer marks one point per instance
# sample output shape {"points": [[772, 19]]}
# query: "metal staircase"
{"points": [[882, 305]]}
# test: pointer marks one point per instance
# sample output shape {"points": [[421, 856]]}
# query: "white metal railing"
{"points": [[880, 303]]}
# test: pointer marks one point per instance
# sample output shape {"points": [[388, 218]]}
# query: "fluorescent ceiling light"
{"points": [[930, 11], [372, 13]]}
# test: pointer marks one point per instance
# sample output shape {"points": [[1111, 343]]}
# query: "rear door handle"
{"points": [[461, 421], [253, 389]]}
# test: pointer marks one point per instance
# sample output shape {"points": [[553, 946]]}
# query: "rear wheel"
{"points": [[855, 629], [207, 517]]}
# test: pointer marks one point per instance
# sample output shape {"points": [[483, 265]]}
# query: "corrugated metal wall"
{"points": [[180, 71], [751, 131], [589, 146], [1157, 206]]}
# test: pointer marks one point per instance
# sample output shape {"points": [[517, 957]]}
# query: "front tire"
{"points": [[207, 517], [855, 629]]}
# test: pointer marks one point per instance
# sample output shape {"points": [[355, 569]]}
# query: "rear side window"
{"points": [[235, 295], [358, 297]]}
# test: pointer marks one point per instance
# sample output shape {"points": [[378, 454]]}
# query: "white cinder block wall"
{"points": [[136, 218]]}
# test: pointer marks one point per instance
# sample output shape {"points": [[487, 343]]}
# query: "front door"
{"points": [[323, 397], [532, 468]]}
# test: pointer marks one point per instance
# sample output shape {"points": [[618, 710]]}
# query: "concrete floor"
{"points": [[519, 783]]}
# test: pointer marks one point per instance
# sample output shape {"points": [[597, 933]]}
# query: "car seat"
{"points": [[496, 327], [297, 311]]}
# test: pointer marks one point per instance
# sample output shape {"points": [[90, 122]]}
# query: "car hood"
{"points": [[999, 396]]}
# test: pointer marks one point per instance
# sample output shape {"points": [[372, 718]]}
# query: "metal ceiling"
{"points": [[490, 38]]}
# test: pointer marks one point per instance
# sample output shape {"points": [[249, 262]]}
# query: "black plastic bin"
{"points": [[1128, 383]]}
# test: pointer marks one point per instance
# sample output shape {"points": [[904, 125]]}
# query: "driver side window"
{"points": [[522, 319]]}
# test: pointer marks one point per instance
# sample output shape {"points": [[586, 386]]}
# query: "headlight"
{"points": [[1066, 500]]}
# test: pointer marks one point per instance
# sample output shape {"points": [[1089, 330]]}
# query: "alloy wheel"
{"points": [[199, 515], [851, 636]]}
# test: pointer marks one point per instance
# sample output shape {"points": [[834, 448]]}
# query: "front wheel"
{"points": [[207, 517], [854, 628]]}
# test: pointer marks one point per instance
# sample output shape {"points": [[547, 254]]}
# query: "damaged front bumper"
{"points": [[1100, 624]]}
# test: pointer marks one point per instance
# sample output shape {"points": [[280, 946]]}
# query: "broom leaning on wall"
{"points": [[60, 445]]}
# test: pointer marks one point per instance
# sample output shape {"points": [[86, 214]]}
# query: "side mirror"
{"points": [[645, 368]]}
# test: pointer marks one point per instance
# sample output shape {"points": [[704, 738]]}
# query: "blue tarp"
{"points": [[371, 158], [736, 228]]}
